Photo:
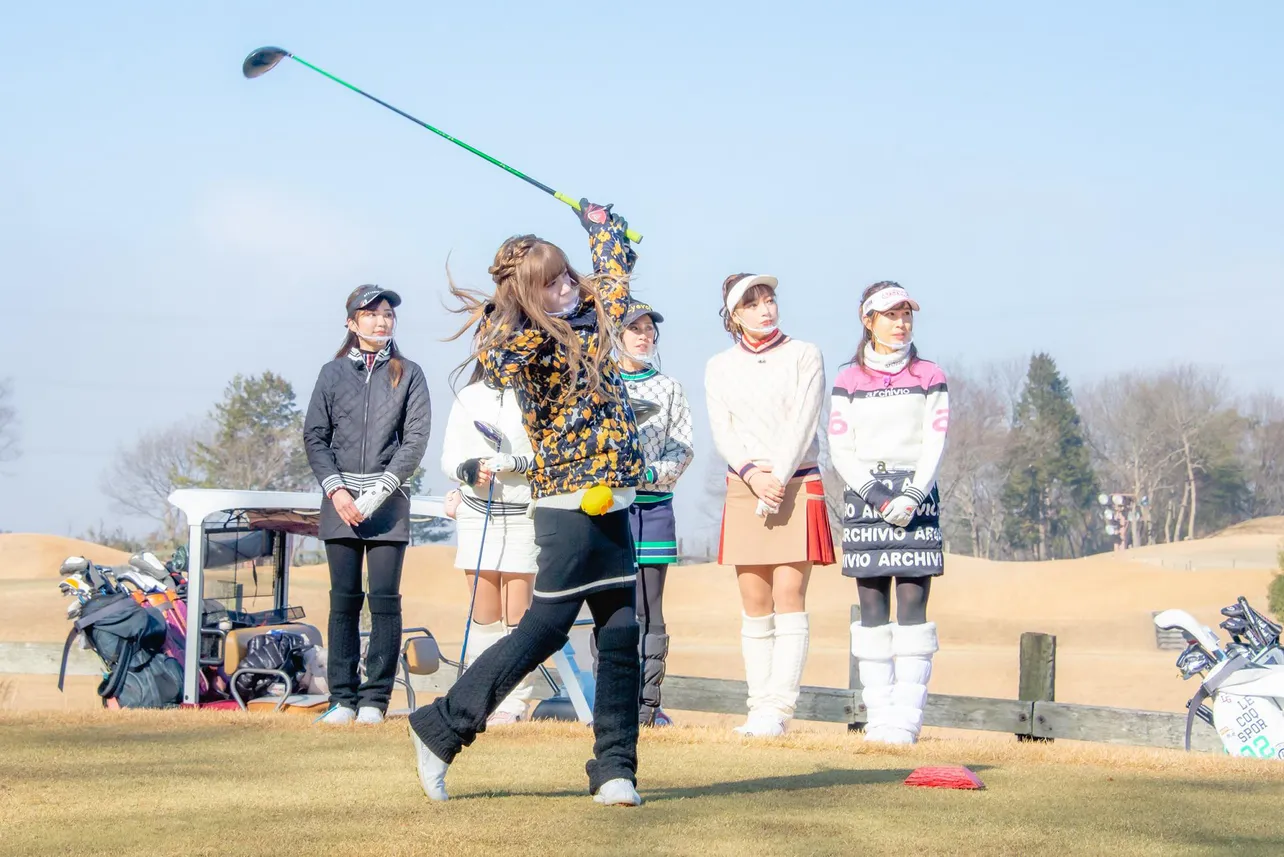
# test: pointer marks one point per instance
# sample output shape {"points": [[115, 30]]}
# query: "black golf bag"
{"points": [[275, 650], [130, 639]]}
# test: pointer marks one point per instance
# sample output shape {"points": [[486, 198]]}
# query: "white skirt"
{"points": [[510, 542]]}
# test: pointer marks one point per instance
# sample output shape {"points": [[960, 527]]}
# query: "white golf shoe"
{"points": [[618, 792], [368, 715], [761, 725], [432, 771], [338, 716]]}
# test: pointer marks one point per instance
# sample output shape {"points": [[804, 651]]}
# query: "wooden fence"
{"points": [[1034, 715]]}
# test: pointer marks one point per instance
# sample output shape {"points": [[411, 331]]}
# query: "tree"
{"points": [[142, 477], [257, 441], [1262, 454], [971, 475], [1050, 484], [8, 423]]}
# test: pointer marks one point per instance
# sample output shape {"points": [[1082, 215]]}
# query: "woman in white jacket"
{"points": [[890, 413], [486, 442]]}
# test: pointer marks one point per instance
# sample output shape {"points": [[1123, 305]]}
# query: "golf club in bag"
{"points": [[1241, 692], [263, 60]]}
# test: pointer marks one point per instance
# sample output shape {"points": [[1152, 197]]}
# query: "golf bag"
{"points": [[130, 639], [285, 651]]}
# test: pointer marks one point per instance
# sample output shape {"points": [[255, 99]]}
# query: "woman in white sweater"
{"points": [[886, 435], [485, 424], [765, 395]]}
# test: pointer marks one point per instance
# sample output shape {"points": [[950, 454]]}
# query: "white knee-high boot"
{"points": [[873, 650], [515, 703], [757, 644], [912, 650], [481, 638], [793, 636]]}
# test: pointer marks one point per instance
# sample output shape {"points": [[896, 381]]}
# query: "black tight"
{"points": [[875, 595], [650, 598]]}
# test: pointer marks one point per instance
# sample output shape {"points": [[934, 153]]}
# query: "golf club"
{"points": [[263, 60], [494, 436]]}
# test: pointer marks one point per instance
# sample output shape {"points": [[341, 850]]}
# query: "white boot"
{"points": [[480, 638], [757, 644], [513, 707], [912, 650], [873, 650], [793, 634]]}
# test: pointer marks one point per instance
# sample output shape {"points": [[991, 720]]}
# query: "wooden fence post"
{"points": [[1038, 677], [853, 681]]}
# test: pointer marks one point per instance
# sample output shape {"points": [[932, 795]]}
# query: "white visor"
{"points": [[744, 284], [885, 299]]}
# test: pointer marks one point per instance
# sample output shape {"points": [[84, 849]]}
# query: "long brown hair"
{"points": [[395, 364], [523, 266], [867, 335], [754, 293]]}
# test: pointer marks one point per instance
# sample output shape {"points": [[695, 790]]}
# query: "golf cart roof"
{"points": [[266, 508]]}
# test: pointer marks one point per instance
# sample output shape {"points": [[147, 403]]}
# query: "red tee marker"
{"points": [[944, 777]]}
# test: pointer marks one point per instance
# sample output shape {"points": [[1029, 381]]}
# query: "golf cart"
{"points": [[251, 534]]}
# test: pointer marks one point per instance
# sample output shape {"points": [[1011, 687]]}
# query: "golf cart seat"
{"points": [[234, 649]]}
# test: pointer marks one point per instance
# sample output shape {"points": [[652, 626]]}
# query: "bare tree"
{"points": [[1263, 453], [142, 477], [8, 422], [971, 476]]}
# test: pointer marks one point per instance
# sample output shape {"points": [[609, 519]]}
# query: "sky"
{"points": [[1098, 180]]}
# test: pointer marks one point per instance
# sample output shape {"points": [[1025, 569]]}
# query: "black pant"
{"points": [[383, 567], [454, 721]]}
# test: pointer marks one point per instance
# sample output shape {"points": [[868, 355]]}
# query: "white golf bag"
{"points": [[1241, 693]]}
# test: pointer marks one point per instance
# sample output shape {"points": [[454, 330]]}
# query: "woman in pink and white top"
{"points": [[765, 396], [890, 413]]}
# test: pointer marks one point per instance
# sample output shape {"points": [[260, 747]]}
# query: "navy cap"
{"points": [[637, 309], [364, 296]]}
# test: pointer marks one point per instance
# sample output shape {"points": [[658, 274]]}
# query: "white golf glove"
{"points": [[372, 498], [900, 511], [764, 509], [502, 463]]}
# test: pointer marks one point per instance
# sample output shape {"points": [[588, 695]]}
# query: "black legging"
{"points": [[875, 595], [650, 598], [383, 562]]}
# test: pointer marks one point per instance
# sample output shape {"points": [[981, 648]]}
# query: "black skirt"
{"points": [[389, 523], [874, 548], [581, 554]]}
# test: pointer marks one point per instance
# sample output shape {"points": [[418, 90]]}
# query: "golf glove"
{"points": [[594, 216], [764, 509], [467, 472], [900, 511], [372, 498], [502, 463]]}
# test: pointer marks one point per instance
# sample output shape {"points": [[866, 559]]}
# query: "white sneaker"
{"points": [[618, 792], [368, 715], [337, 716], [761, 725], [503, 718], [432, 771]]}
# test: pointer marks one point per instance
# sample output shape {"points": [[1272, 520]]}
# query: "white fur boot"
{"points": [[793, 636], [873, 650], [912, 650], [757, 644]]}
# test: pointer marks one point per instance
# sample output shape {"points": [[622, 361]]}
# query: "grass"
{"points": [[149, 783]]}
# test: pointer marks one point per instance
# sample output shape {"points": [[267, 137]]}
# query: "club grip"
{"points": [[633, 235]]}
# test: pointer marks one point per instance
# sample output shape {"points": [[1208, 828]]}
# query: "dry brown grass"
{"points": [[148, 783]]}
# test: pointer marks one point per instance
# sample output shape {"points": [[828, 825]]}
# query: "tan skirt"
{"points": [[799, 532]]}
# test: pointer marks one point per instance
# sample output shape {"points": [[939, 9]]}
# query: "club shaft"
{"points": [[573, 203]]}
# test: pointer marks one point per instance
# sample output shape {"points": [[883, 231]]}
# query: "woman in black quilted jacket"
{"points": [[366, 432]]}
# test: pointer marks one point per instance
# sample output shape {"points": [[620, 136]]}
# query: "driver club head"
{"points": [[260, 62], [491, 432], [73, 565]]}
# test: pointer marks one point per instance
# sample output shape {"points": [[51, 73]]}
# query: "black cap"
{"points": [[637, 309], [364, 296]]}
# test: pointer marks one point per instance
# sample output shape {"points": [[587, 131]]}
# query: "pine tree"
{"points": [[1050, 484], [258, 438]]}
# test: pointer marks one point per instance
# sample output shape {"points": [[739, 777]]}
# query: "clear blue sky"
{"points": [[1098, 180]]}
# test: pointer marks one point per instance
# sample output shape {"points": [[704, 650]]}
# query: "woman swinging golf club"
{"points": [[886, 435], [487, 452], [667, 448], [366, 431], [547, 332], [765, 396]]}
